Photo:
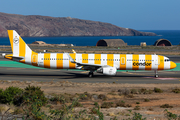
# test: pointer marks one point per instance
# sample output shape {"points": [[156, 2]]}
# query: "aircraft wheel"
{"points": [[156, 76], [90, 74]]}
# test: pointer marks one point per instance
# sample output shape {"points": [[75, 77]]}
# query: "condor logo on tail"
{"points": [[141, 64]]}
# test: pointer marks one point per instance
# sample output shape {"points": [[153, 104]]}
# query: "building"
{"points": [[111, 42], [39, 43], [66, 45], [143, 44], [162, 42]]}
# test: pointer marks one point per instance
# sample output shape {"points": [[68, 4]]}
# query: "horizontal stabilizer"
{"points": [[16, 58]]}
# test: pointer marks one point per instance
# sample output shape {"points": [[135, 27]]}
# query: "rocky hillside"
{"points": [[38, 26]]}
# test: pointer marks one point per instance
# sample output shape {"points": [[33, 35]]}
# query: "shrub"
{"points": [[34, 94], [77, 104], [137, 108], [176, 90], [150, 109], [124, 92], [138, 116], [61, 98], [137, 102], [166, 106], [146, 100], [8, 95], [128, 105], [148, 92], [171, 116], [111, 93], [102, 97], [130, 96], [157, 90], [145, 91], [86, 96], [93, 111], [142, 90], [107, 105], [121, 104], [1, 90], [134, 91]]}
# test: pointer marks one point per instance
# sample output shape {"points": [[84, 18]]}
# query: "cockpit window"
{"points": [[166, 60]]}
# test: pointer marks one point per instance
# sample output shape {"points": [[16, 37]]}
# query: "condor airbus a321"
{"points": [[107, 64]]}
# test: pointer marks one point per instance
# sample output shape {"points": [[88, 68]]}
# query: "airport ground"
{"points": [[72, 81]]}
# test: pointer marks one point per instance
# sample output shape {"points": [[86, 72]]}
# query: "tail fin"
{"points": [[18, 46]]}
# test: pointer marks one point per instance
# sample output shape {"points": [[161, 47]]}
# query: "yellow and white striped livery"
{"points": [[107, 64]]}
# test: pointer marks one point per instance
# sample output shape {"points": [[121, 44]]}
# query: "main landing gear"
{"points": [[156, 74], [91, 74]]}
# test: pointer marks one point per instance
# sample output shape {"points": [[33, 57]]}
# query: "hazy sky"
{"points": [[136, 14]]}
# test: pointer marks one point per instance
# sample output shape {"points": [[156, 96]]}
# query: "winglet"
{"points": [[73, 51]]}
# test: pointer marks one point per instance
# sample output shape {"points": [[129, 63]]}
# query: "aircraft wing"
{"points": [[85, 65], [88, 66]]}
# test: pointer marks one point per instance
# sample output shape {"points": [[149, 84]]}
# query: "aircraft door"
{"points": [[79, 59], [122, 60], [40, 60], [34, 58], [157, 60]]}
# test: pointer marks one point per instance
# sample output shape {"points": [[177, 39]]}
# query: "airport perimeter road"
{"points": [[47, 75]]}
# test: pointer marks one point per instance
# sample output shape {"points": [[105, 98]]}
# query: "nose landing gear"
{"points": [[156, 74]]}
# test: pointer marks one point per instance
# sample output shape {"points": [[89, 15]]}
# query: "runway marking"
{"points": [[148, 77], [166, 78], [85, 72], [14, 68]]}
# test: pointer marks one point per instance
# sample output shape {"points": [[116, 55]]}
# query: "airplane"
{"points": [[107, 64]]}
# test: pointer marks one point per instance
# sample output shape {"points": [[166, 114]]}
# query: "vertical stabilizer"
{"points": [[18, 46]]}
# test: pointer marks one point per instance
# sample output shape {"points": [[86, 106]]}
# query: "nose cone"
{"points": [[173, 65]]}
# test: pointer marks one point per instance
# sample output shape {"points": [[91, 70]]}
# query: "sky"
{"points": [[135, 14]]}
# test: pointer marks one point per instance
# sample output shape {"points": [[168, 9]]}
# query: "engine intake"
{"points": [[107, 70]]}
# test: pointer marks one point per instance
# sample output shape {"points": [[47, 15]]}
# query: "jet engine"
{"points": [[107, 70]]}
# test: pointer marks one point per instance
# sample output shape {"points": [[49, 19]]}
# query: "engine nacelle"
{"points": [[107, 70]]}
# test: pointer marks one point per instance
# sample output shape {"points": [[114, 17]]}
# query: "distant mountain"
{"points": [[39, 26]]}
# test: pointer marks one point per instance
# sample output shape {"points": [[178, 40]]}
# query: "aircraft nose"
{"points": [[172, 65]]}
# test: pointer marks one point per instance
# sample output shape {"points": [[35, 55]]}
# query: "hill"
{"points": [[41, 26]]}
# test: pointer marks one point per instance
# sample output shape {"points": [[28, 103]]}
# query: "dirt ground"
{"points": [[148, 100]]}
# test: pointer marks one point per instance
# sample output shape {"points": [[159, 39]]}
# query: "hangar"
{"points": [[111, 42], [162, 42]]}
